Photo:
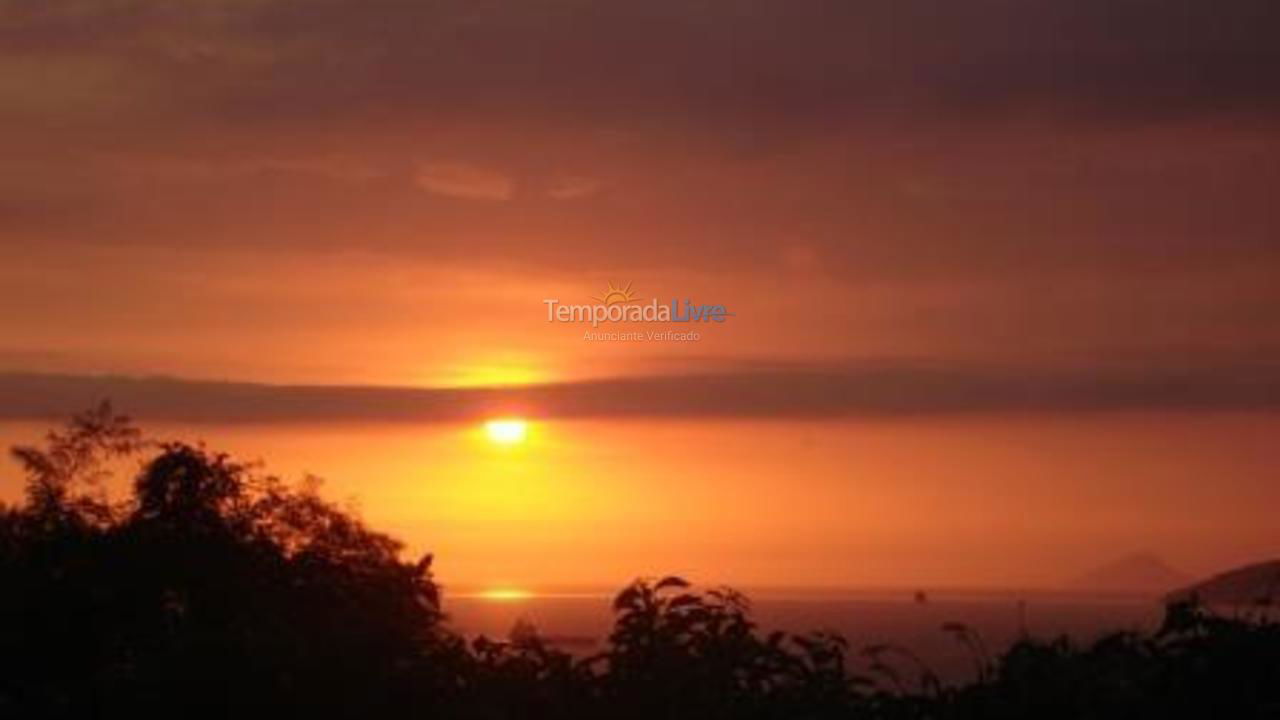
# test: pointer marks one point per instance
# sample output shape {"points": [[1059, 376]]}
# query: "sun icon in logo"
{"points": [[616, 294]]}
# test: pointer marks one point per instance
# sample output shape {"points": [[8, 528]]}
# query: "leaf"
{"points": [[626, 599], [671, 581], [685, 600]]}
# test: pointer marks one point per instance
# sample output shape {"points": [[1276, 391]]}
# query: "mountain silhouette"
{"points": [[1254, 584], [1139, 573]]}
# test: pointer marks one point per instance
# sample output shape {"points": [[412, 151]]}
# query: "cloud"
{"points": [[777, 62], [884, 390], [465, 181], [567, 187], [1100, 172], [1090, 132]]}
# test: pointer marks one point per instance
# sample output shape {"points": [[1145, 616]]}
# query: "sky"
{"points": [[1036, 223]]}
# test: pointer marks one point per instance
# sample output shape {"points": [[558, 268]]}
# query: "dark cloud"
{"points": [[882, 390], [671, 59], [1098, 164], [884, 134]]}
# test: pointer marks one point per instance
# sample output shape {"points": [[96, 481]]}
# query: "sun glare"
{"points": [[505, 594], [507, 431], [495, 375]]}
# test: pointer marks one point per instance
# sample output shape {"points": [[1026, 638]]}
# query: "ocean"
{"points": [[579, 622]]}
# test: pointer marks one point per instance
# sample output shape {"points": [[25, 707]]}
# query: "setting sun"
{"points": [[507, 431], [505, 594]]}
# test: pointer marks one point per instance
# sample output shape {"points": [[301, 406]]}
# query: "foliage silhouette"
{"points": [[210, 590], [215, 591]]}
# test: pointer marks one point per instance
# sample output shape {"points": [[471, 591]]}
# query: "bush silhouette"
{"points": [[211, 589]]}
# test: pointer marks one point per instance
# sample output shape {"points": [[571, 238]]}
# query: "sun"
{"points": [[507, 431], [505, 594], [616, 294]]}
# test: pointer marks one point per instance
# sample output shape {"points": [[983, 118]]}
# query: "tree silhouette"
{"points": [[211, 589]]}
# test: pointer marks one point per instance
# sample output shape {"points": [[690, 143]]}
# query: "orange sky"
{"points": [[996, 502], [1002, 276]]}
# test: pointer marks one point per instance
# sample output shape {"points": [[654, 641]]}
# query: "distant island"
{"points": [[1136, 574]]}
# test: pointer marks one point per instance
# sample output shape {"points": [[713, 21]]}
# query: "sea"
{"points": [[920, 626]]}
